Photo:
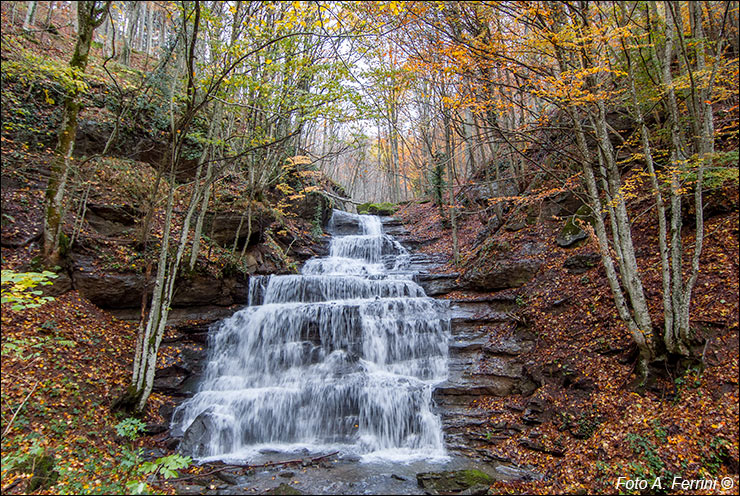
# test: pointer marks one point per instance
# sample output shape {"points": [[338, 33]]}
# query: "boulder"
{"points": [[201, 432], [481, 193], [454, 481], [92, 136], [112, 220], [58, 286], [578, 264], [503, 275], [571, 233]]}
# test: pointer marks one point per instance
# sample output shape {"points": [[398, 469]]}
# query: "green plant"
{"points": [[659, 431], [718, 454], [167, 466], [130, 428], [316, 230], [521, 300], [17, 288], [18, 458], [649, 465], [27, 348]]}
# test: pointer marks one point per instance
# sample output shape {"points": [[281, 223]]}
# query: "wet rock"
{"points": [[227, 477], [507, 346], [578, 264], [198, 435], [348, 457], [152, 429], [343, 224], [283, 488], [166, 411], [173, 443], [477, 489], [286, 474], [438, 284], [508, 472], [454, 481], [504, 274], [169, 379]]}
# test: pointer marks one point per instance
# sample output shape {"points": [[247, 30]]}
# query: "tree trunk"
{"points": [[30, 14], [89, 18], [125, 56]]}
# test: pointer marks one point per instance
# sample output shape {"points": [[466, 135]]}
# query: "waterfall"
{"points": [[342, 357]]}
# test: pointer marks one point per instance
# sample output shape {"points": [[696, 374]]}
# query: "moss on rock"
{"points": [[453, 481], [385, 208]]}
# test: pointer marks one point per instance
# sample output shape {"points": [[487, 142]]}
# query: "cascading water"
{"points": [[342, 357]]}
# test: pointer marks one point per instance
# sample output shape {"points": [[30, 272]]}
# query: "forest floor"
{"points": [[685, 424]]}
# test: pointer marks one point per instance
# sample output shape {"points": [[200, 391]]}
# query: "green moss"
{"points": [[473, 476], [453, 481], [385, 208], [44, 474], [571, 230]]}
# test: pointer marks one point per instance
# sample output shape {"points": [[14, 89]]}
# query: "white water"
{"points": [[342, 358]]}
